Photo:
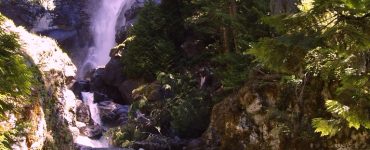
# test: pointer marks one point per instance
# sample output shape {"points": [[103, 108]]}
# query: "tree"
{"points": [[149, 49], [329, 40]]}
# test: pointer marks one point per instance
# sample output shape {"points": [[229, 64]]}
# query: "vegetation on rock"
{"points": [[319, 50], [16, 79]]}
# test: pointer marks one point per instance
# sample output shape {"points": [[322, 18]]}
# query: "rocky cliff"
{"points": [[66, 21], [264, 114], [56, 113]]}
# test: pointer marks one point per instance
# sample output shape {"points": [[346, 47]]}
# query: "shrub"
{"points": [[152, 43]]}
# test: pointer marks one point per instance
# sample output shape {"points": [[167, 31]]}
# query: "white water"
{"points": [[103, 28], [100, 143], [88, 98]]}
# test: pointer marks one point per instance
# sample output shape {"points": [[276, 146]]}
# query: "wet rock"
{"points": [[82, 112], [130, 17], [100, 97], [113, 73], [195, 144], [59, 34], [126, 89], [93, 131], [80, 86], [122, 33], [80, 124], [157, 142], [113, 114], [104, 91], [122, 109], [108, 117], [97, 81], [134, 10], [22, 12]]}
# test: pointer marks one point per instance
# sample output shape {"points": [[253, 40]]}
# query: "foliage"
{"points": [[189, 108], [326, 127], [354, 118], [125, 135], [152, 42], [239, 21], [232, 69], [329, 40], [15, 80], [185, 104], [183, 112]]}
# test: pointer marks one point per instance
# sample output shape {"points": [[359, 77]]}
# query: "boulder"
{"points": [[97, 81], [104, 91], [82, 112], [113, 73], [100, 97], [93, 131], [122, 33], [113, 114], [80, 86], [129, 16], [126, 89]]}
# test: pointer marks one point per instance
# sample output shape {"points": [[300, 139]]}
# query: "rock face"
{"points": [[22, 12], [103, 90], [63, 20], [130, 17], [80, 86], [113, 74], [269, 117], [110, 84], [59, 103]]}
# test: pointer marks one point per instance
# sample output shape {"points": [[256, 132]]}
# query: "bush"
{"points": [[152, 44], [232, 69], [184, 111]]}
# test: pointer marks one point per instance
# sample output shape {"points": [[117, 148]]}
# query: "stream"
{"points": [[104, 23]]}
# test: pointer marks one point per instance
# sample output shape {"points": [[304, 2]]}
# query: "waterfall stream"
{"points": [[88, 98], [104, 20], [103, 28]]}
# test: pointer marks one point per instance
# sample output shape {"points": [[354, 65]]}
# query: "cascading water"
{"points": [[103, 28], [104, 19], [88, 98]]}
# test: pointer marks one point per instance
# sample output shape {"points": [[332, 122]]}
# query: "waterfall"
{"points": [[103, 28], [105, 17], [88, 98]]}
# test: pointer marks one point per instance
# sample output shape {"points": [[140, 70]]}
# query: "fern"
{"points": [[331, 127], [326, 127], [353, 117]]}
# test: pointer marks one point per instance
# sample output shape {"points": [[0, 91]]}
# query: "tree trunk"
{"points": [[225, 39], [233, 13]]}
